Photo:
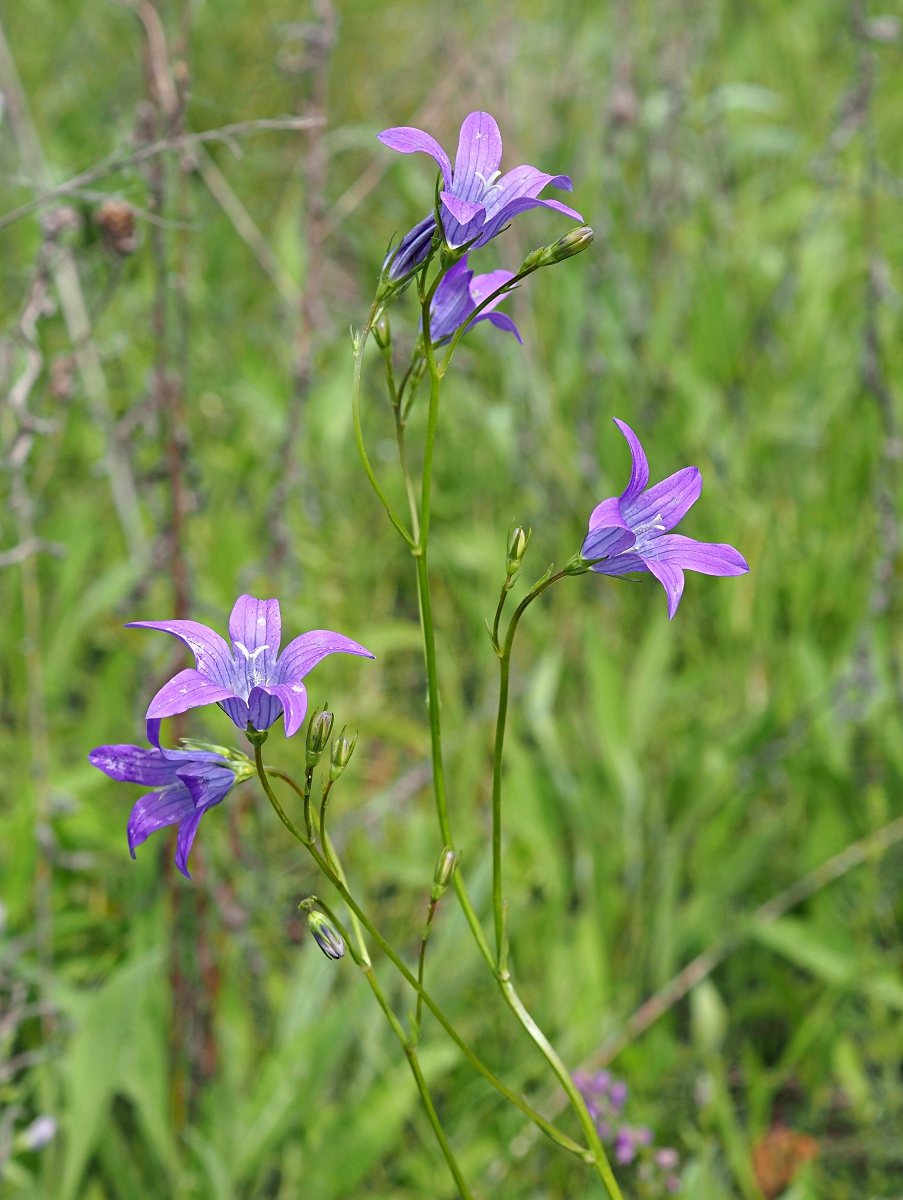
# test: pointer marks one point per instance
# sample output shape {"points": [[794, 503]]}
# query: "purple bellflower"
{"points": [[477, 201], [253, 683], [458, 295], [631, 531], [184, 783]]}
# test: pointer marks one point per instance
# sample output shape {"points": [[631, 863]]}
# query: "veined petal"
{"points": [[294, 704], [255, 628], [188, 827], [264, 707], [478, 157], [464, 211], [482, 286], [671, 577], [157, 810], [207, 783], [132, 764], [303, 653], [709, 558], [500, 321], [496, 223], [257, 624], [621, 564], [521, 181], [639, 470], [237, 710], [452, 303], [608, 533], [188, 689], [667, 502], [177, 756], [408, 140], [211, 652]]}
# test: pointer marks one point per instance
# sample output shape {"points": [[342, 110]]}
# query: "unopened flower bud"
{"points": [[574, 242], [318, 732], [340, 756], [445, 868], [325, 935], [518, 541], [410, 252]]}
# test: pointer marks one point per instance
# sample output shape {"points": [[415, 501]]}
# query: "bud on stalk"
{"points": [[318, 732], [445, 868], [518, 541], [340, 756], [325, 935], [572, 243]]}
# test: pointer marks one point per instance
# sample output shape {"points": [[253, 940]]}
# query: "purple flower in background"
{"points": [[253, 683], [630, 531], [458, 295], [184, 783], [476, 202]]}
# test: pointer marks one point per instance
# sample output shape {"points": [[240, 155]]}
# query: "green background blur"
{"points": [[742, 165]]}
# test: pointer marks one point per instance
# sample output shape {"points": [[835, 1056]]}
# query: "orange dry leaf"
{"points": [[778, 1156]]}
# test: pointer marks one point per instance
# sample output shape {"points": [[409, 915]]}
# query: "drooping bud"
{"points": [[318, 731], [325, 934], [445, 868], [518, 541], [340, 756], [573, 242]]}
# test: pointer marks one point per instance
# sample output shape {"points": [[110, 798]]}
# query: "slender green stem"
{"points": [[341, 887], [516, 1005], [405, 472], [500, 725], [308, 816], [323, 804], [416, 1071], [430, 913], [360, 347], [600, 1159], [409, 1048], [498, 614]]}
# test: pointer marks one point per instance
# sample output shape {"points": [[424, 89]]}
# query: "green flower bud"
{"points": [[340, 756], [518, 541], [445, 868], [325, 934], [574, 242], [318, 731]]}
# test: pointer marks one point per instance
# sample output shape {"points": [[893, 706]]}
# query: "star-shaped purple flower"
{"points": [[476, 201], [630, 531], [253, 683], [184, 783], [458, 295]]}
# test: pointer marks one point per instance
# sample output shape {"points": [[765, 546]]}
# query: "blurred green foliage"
{"points": [[741, 164]]}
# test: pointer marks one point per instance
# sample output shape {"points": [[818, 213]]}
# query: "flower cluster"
{"points": [[251, 682], [605, 1098]]}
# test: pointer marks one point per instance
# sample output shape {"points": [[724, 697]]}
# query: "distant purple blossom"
{"points": [[253, 683], [605, 1097], [631, 531], [458, 295], [477, 201], [184, 783]]}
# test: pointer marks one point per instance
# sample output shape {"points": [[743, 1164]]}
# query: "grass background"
{"points": [[741, 309]]}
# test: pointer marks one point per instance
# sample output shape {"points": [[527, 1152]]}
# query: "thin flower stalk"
{"points": [[336, 878]]}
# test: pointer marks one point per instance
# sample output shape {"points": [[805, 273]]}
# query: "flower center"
{"points": [[640, 531], [254, 673], [489, 185]]}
